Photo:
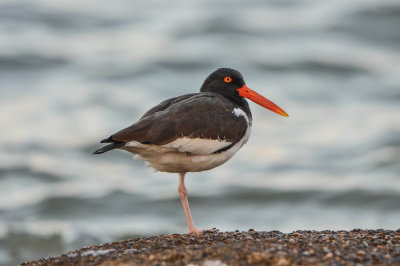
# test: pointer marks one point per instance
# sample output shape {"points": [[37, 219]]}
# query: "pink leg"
{"points": [[183, 194]]}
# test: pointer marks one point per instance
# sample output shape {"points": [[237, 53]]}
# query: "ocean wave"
{"points": [[32, 62]]}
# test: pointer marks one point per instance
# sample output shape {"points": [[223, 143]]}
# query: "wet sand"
{"points": [[365, 247]]}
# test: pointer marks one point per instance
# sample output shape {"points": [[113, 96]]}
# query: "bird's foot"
{"points": [[196, 230]]}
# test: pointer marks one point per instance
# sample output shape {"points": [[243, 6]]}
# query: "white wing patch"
{"points": [[239, 112], [197, 145]]}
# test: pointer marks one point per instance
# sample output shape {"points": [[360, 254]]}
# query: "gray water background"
{"points": [[74, 72]]}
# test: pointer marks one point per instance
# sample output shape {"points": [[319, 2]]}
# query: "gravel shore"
{"points": [[363, 247]]}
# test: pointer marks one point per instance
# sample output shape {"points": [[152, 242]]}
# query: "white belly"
{"points": [[170, 160]]}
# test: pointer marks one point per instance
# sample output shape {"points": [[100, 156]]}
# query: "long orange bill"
{"points": [[261, 100]]}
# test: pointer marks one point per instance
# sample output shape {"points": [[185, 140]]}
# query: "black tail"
{"points": [[113, 145]]}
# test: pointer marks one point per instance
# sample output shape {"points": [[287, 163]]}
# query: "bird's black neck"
{"points": [[241, 103]]}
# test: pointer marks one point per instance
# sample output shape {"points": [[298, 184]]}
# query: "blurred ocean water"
{"points": [[73, 72]]}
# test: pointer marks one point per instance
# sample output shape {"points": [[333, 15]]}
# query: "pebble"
{"points": [[355, 247]]}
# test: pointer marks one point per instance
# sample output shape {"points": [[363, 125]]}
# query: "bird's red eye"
{"points": [[227, 79]]}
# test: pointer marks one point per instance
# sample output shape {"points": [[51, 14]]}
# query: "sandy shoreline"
{"points": [[367, 247]]}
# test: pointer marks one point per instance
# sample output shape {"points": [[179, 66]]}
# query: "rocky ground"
{"points": [[362, 247]]}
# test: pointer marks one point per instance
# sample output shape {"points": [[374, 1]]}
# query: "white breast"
{"points": [[197, 145]]}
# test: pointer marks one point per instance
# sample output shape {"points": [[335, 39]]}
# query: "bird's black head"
{"points": [[224, 81], [229, 83]]}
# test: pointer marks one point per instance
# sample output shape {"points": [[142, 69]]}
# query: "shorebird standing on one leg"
{"points": [[193, 132]]}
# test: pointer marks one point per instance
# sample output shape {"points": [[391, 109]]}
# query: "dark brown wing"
{"points": [[197, 116], [167, 103]]}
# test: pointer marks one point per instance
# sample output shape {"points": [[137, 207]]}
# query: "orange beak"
{"points": [[261, 100]]}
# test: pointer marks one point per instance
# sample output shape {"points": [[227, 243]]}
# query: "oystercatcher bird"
{"points": [[193, 132]]}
